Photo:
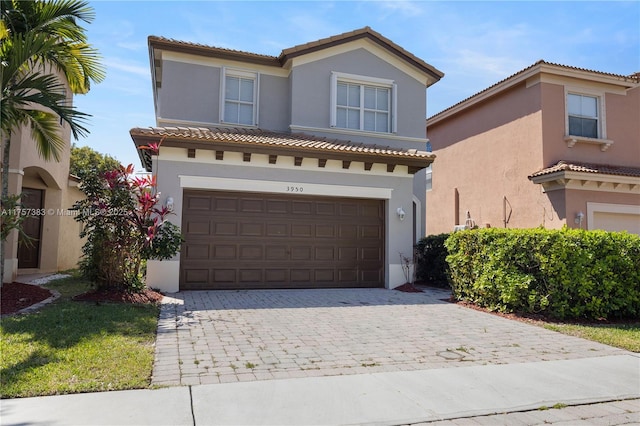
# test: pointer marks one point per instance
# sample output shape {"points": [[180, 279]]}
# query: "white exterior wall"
{"points": [[176, 172]]}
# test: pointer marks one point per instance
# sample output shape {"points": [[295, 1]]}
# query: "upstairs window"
{"points": [[362, 103], [240, 97], [583, 115]]}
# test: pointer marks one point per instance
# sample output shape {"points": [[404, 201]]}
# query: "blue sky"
{"points": [[475, 44]]}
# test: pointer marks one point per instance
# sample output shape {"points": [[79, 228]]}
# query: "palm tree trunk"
{"points": [[5, 193]]}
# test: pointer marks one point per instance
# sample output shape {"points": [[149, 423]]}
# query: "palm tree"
{"points": [[40, 40]]}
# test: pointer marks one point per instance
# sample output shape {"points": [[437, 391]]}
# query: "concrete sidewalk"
{"points": [[406, 397]]}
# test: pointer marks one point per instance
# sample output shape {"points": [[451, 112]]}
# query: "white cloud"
{"points": [[405, 7], [128, 67]]}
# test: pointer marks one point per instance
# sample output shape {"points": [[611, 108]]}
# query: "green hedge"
{"points": [[431, 261], [558, 273]]}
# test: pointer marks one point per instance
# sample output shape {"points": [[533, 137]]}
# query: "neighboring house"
{"points": [[48, 191], [297, 171], [552, 145]]}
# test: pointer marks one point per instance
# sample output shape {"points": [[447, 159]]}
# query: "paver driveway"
{"points": [[223, 336]]}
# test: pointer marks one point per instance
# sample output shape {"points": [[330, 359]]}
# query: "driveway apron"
{"points": [[234, 336]]}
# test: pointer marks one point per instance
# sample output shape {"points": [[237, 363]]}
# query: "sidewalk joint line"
{"points": [[193, 415]]}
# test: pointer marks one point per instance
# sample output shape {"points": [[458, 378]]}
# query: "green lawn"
{"points": [[625, 336], [70, 346]]}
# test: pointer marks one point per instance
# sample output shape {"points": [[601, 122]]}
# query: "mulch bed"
{"points": [[408, 288], [16, 296], [146, 296]]}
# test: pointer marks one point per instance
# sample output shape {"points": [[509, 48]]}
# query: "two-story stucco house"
{"points": [[53, 240], [552, 145], [300, 170]]}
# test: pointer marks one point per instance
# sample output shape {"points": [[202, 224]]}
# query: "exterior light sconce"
{"points": [[579, 218], [169, 204], [401, 213]]}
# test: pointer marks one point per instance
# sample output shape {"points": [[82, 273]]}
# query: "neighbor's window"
{"points": [[362, 103], [583, 115], [240, 97]]}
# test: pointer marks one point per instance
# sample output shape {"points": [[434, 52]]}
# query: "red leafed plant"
{"points": [[124, 226]]}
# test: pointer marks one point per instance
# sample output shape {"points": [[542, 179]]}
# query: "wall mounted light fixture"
{"points": [[579, 218], [169, 204], [401, 213]]}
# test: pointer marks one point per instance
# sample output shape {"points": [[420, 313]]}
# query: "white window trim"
{"points": [[235, 72], [370, 81], [601, 140]]}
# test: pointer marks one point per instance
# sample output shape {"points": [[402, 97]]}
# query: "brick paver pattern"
{"points": [[227, 336]]}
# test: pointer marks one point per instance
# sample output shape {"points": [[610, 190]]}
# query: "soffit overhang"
{"points": [[588, 177], [257, 141]]}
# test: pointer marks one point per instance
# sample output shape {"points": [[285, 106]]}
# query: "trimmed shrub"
{"points": [[561, 274], [431, 260]]}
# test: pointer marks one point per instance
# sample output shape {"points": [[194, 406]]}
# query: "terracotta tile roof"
{"points": [[365, 32], [293, 143], [205, 50], [602, 169], [633, 78], [302, 49]]}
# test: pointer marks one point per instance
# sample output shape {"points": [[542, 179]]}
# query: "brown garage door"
{"points": [[249, 240]]}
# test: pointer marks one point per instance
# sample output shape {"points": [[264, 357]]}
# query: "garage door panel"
{"points": [[280, 241], [276, 276], [198, 227], [325, 275], [300, 275], [195, 276], [252, 205], [325, 231], [302, 207], [348, 209], [225, 204], [371, 254], [369, 232], [298, 230], [325, 253], [251, 230], [277, 229], [301, 253], [277, 206], [251, 276], [251, 252], [225, 228], [197, 251], [224, 275], [277, 253], [199, 203]]}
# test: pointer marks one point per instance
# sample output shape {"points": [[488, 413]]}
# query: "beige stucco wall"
{"points": [[59, 246], [69, 243], [486, 153], [487, 150]]}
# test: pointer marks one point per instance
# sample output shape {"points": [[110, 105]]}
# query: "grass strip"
{"points": [[625, 336], [70, 346]]}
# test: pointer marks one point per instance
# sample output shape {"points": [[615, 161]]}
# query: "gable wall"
{"points": [[311, 88]]}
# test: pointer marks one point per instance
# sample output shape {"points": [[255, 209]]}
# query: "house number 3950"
{"points": [[295, 189]]}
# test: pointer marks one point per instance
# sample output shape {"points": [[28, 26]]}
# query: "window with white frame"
{"points": [[239, 104], [362, 103], [583, 115]]}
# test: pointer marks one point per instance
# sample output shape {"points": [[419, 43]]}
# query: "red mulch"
{"points": [[146, 296], [16, 296], [408, 288]]}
